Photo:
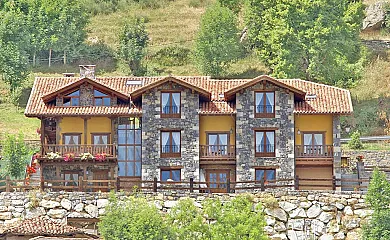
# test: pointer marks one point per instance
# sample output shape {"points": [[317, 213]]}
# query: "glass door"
{"points": [[218, 144], [217, 180], [313, 143]]}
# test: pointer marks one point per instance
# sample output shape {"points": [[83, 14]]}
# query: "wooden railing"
{"points": [[88, 185], [108, 149], [314, 151], [217, 151]]}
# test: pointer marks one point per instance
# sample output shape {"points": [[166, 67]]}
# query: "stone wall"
{"points": [[289, 215], [380, 158], [188, 124], [245, 135]]}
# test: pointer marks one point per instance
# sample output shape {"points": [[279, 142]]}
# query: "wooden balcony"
{"points": [[217, 152], [314, 151], [77, 150]]}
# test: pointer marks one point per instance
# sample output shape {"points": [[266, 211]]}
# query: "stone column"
{"points": [[336, 147]]}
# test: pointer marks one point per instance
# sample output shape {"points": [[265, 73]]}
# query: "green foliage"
{"points": [[133, 40], [355, 142], [172, 56], [217, 43], [234, 5], [298, 38], [186, 221], [378, 196], [15, 156], [235, 219], [133, 219]]}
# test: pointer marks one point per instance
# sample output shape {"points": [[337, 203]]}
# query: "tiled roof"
{"points": [[329, 99], [41, 226]]}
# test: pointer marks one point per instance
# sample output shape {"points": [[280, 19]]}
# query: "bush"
{"points": [[234, 5], [133, 219], [378, 196], [172, 56], [355, 142], [15, 156]]}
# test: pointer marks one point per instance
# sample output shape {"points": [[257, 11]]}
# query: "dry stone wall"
{"points": [[293, 215]]}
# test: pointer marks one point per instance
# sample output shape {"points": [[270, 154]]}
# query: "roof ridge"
{"points": [[311, 82]]}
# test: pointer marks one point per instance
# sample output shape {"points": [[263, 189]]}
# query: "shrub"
{"points": [[355, 142], [132, 219], [15, 156], [378, 196], [172, 56], [234, 5], [186, 221], [235, 219]]}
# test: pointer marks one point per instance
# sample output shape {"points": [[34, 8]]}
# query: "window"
{"points": [[217, 144], [71, 138], [101, 99], [170, 104], [170, 144], [71, 178], [100, 138], [264, 104], [173, 174], [129, 147], [265, 174], [265, 143], [72, 99], [313, 143]]}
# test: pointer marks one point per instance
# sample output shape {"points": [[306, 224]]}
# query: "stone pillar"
{"points": [[336, 147]]}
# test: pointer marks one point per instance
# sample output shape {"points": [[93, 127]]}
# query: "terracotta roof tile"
{"points": [[41, 226], [329, 99]]}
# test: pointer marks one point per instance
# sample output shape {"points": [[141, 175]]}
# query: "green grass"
{"points": [[375, 146]]}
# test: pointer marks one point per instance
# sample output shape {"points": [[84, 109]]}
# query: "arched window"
{"points": [[72, 99], [101, 99]]}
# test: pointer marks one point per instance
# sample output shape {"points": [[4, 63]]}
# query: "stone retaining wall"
{"points": [[370, 157], [289, 215]]}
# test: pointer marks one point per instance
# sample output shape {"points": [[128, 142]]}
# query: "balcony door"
{"points": [[100, 142], [71, 142], [218, 144], [313, 143], [217, 180]]}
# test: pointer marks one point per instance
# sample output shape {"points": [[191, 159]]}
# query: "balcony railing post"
{"points": [[228, 185], [81, 183], [155, 184], [191, 185], [7, 184], [296, 182], [262, 186]]}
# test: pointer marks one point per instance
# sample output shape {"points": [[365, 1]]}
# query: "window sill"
{"points": [[264, 115], [170, 115], [269, 155], [170, 155]]}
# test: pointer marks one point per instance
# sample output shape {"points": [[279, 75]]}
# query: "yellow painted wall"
{"points": [[98, 125], [314, 123], [76, 125], [216, 124], [71, 125]]}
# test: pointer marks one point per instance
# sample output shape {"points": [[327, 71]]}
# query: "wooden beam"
{"points": [[42, 135]]}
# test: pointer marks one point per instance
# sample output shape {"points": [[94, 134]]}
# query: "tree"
{"points": [[234, 5], [317, 40], [355, 142], [235, 219], [133, 41], [132, 219], [15, 156], [378, 196], [217, 43]]}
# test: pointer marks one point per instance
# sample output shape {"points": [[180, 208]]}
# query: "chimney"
{"points": [[68, 74], [87, 71]]}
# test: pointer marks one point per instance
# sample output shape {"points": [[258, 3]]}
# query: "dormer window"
{"points": [[72, 99], [101, 99], [170, 104], [264, 104]]}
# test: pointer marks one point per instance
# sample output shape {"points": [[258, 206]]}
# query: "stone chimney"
{"points": [[87, 71]]}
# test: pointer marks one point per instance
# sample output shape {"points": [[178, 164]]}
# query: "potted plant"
{"points": [[53, 155], [68, 157], [100, 157], [86, 156]]}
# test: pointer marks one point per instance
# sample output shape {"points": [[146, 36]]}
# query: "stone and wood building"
{"points": [[212, 130]]}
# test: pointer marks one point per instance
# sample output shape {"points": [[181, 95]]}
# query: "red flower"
{"points": [[100, 157], [68, 157], [31, 170]]}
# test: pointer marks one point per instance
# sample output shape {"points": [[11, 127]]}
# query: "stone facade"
{"points": [[292, 215], [336, 146], [245, 134], [86, 95], [188, 124]]}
